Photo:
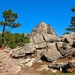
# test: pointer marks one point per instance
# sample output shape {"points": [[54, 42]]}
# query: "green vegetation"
{"points": [[46, 73], [14, 40], [71, 27], [66, 33], [9, 20], [61, 73]]}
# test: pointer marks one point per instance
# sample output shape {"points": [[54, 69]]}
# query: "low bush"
{"points": [[14, 40]]}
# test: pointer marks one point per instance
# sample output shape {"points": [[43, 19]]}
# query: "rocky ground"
{"points": [[11, 66]]}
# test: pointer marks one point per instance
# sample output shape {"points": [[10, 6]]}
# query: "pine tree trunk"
{"points": [[3, 35]]}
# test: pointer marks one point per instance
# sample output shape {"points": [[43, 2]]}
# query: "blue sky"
{"points": [[31, 12]]}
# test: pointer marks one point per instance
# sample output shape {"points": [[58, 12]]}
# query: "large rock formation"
{"points": [[42, 27], [44, 42], [42, 38]]}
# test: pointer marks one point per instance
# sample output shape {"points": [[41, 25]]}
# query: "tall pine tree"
{"points": [[9, 20], [71, 27]]}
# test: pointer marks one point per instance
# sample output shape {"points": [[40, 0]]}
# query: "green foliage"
{"points": [[71, 27], [12, 43], [26, 40], [66, 33], [73, 9], [14, 40], [9, 19], [46, 73], [61, 73]]}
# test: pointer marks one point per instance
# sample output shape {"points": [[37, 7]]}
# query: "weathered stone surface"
{"points": [[52, 53], [68, 40], [72, 35], [7, 66], [37, 38], [39, 54], [42, 27], [65, 49], [70, 70], [59, 45], [29, 48], [52, 46], [31, 39], [43, 67], [70, 52], [20, 52], [62, 46], [60, 39], [58, 65], [50, 37], [66, 36], [41, 45], [72, 63], [68, 66], [30, 63]]}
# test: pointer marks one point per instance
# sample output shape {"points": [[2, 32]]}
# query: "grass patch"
{"points": [[61, 73], [46, 73]]}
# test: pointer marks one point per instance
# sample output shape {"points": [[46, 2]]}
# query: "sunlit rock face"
{"points": [[42, 27]]}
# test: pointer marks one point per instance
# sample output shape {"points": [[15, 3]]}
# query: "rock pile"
{"points": [[46, 45], [42, 38], [64, 66]]}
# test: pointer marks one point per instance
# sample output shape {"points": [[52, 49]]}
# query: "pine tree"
{"points": [[9, 20], [71, 27]]}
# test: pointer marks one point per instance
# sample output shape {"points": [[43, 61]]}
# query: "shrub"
{"points": [[26, 40], [14, 40], [12, 43]]}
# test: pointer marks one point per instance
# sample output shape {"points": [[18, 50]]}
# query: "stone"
{"points": [[59, 45], [39, 54], [53, 70], [43, 67], [42, 27], [68, 40], [70, 52], [50, 37], [29, 48], [20, 52], [59, 39], [61, 66], [58, 65], [72, 35], [72, 63], [70, 70], [52, 54], [37, 38], [30, 63], [68, 66], [41, 45], [7, 65]]}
